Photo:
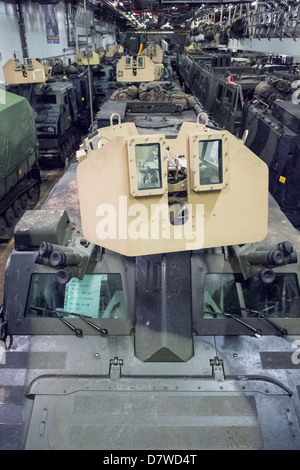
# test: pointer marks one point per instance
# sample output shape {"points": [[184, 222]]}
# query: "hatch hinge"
{"points": [[217, 369], [115, 368], [43, 422]]}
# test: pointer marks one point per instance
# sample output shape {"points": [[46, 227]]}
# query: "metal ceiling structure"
{"points": [[176, 14]]}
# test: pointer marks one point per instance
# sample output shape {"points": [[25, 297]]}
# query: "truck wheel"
{"points": [[34, 192], [24, 200], [17, 206], [9, 216]]}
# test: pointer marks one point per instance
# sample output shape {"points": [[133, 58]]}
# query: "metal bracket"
{"points": [[217, 369], [115, 368], [43, 422]]}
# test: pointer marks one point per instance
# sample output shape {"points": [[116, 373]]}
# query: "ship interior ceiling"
{"points": [[149, 225], [178, 15]]}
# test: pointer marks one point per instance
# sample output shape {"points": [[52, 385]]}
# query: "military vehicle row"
{"points": [[145, 66], [64, 97], [99, 55], [239, 99], [102, 69], [113, 70], [19, 170], [222, 81], [158, 306], [272, 118], [201, 73], [48, 131], [62, 106]]}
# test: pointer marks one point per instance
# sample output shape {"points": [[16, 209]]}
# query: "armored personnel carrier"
{"points": [[55, 103], [19, 170], [233, 92], [187, 64], [154, 52], [102, 69], [155, 307], [85, 95], [266, 106], [89, 57], [202, 73], [110, 52], [272, 118]]}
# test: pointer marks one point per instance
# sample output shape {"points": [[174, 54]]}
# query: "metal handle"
{"points": [[206, 118], [112, 116]]}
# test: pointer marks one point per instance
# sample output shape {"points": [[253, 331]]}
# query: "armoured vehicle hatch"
{"points": [[87, 58], [153, 175], [31, 71], [113, 49], [138, 69], [154, 52]]}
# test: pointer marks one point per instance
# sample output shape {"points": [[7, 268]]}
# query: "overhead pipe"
{"points": [[89, 68], [20, 16]]}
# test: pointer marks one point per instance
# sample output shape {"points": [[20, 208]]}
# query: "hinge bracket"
{"points": [[217, 369], [115, 368]]}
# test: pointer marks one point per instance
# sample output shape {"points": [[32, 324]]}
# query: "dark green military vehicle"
{"points": [[19, 171], [157, 306]]}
